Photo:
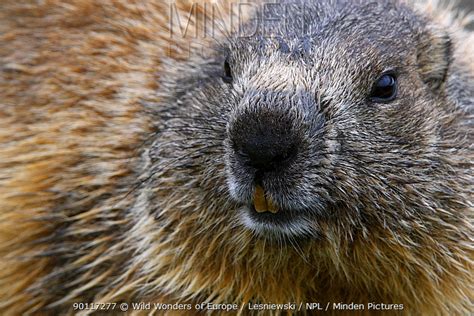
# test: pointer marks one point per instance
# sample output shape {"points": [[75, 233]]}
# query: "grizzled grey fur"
{"points": [[311, 70]]}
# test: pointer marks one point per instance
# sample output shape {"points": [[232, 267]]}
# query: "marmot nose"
{"points": [[266, 152], [265, 144]]}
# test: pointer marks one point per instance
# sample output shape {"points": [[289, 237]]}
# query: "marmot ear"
{"points": [[434, 57]]}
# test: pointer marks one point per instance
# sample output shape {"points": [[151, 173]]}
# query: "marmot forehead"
{"points": [[298, 27], [343, 34]]}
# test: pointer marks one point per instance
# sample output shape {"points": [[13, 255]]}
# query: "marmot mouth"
{"points": [[264, 210], [286, 225], [269, 219], [281, 218]]}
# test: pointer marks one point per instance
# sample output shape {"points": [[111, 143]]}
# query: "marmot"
{"points": [[322, 155]]}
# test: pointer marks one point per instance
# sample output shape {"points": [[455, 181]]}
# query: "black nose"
{"points": [[265, 142]]}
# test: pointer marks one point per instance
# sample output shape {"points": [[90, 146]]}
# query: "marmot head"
{"points": [[329, 115]]}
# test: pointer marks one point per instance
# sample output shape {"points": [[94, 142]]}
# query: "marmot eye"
{"points": [[385, 89], [227, 77]]}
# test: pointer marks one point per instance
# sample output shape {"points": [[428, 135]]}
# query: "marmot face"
{"points": [[331, 124]]}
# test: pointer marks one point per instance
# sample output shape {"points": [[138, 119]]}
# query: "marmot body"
{"points": [[327, 160]]}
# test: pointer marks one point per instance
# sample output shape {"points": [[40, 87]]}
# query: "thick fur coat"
{"points": [[115, 188]]}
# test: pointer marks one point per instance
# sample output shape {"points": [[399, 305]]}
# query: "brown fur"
{"points": [[73, 78]]}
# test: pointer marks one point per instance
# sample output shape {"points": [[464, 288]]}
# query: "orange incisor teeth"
{"points": [[271, 206], [262, 203], [259, 201]]}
